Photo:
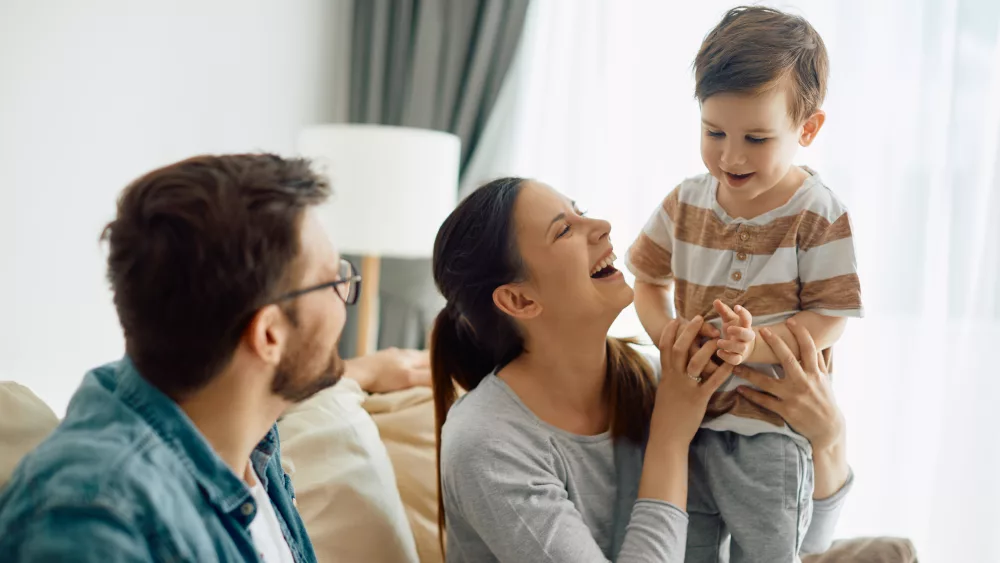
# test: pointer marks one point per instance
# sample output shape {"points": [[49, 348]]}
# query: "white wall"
{"points": [[94, 93]]}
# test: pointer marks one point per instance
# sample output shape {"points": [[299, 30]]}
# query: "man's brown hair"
{"points": [[196, 248], [753, 49]]}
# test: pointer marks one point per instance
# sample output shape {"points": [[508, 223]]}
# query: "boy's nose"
{"points": [[732, 156]]}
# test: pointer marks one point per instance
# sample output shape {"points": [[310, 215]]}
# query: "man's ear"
{"points": [[513, 300], [266, 334], [811, 128]]}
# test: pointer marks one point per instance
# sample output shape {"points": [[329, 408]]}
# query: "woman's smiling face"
{"points": [[567, 257]]}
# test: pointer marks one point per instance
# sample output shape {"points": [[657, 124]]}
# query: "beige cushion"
{"points": [[344, 483], [25, 420], [867, 550], [406, 422]]}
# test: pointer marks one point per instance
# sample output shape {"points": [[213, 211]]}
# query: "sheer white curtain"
{"points": [[600, 106]]}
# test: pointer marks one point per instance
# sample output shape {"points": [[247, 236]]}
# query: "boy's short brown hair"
{"points": [[754, 48]]}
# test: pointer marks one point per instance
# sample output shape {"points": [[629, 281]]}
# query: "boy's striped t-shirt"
{"points": [[798, 257]]}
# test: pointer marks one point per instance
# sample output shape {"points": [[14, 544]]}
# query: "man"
{"points": [[231, 298]]}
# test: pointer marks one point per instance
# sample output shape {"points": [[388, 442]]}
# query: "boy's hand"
{"points": [[738, 338]]}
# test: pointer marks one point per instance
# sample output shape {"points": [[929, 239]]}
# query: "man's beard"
{"points": [[295, 379]]}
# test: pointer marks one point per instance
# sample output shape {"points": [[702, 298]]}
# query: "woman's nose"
{"points": [[599, 230]]}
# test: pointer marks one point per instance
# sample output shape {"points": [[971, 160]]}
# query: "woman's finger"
{"points": [[701, 358], [685, 338], [740, 333], [821, 363], [718, 377], [783, 353], [758, 379], [807, 346], [666, 343], [746, 319], [769, 402], [709, 331]]}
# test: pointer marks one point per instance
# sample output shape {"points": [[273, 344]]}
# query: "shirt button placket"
{"points": [[737, 274]]}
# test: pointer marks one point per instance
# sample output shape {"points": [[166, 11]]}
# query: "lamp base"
{"points": [[368, 314]]}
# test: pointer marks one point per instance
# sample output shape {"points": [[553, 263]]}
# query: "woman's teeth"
{"points": [[610, 260]]}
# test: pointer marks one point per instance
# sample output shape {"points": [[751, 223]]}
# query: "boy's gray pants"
{"points": [[755, 491]]}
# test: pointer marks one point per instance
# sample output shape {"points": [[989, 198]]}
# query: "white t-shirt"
{"points": [[265, 529]]}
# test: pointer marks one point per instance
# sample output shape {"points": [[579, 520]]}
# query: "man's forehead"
{"points": [[319, 255]]}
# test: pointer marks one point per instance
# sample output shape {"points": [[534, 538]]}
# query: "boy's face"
{"points": [[748, 142]]}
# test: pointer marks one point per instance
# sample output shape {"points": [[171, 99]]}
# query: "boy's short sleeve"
{"points": [[649, 257], [828, 268]]}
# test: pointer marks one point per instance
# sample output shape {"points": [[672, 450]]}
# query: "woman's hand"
{"points": [[804, 398], [681, 400], [390, 370], [684, 389]]}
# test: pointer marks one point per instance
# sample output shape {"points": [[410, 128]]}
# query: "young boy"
{"points": [[759, 234]]}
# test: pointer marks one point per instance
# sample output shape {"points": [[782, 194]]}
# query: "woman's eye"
{"points": [[563, 232], [715, 134]]}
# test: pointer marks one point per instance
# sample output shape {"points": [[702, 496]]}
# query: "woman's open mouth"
{"points": [[605, 268], [737, 180]]}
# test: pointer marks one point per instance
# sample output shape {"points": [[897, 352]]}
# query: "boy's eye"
{"points": [[756, 140], [715, 134]]}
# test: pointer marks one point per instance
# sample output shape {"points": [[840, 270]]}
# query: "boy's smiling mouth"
{"points": [[737, 180]]}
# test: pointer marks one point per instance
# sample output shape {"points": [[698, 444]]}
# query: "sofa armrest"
{"points": [[24, 423]]}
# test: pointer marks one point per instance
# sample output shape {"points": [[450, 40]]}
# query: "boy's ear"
{"points": [[811, 127], [513, 300]]}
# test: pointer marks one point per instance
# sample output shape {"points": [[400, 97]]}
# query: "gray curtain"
{"points": [[433, 64]]}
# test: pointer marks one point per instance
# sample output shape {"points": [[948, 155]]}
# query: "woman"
{"points": [[565, 449]]}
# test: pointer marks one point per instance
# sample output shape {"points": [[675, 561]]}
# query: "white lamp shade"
{"points": [[392, 186]]}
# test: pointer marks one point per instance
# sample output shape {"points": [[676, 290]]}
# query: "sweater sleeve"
{"points": [[826, 513], [511, 499]]}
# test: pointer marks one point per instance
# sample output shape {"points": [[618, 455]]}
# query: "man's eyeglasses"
{"points": [[348, 286]]}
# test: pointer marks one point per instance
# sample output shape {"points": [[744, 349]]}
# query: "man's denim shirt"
{"points": [[128, 477]]}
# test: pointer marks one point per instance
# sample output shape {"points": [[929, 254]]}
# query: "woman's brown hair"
{"points": [[476, 252]]}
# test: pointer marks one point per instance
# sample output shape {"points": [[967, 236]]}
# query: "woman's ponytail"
{"points": [[456, 359], [632, 390]]}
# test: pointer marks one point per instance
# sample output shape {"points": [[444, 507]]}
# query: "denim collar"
{"points": [[222, 487]]}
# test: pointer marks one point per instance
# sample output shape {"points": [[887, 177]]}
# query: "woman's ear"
{"points": [[811, 128], [514, 301]]}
